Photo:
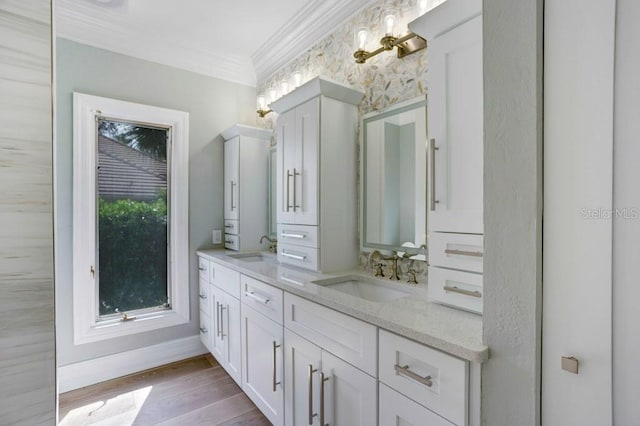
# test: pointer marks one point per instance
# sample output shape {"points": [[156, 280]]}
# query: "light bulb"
{"points": [[389, 20], [273, 95], [423, 6], [297, 79], [262, 103], [361, 38]]}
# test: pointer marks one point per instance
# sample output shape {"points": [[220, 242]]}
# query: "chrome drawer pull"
{"points": [[404, 371], [253, 296], [462, 291], [310, 371], [229, 226], [200, 268], [275, 383], [463, 253], [203, 330], [222, 308], [288, 176], [228, 241], [293, 256], [433, 148], [287, 235], [322, 380], [203, 296]]}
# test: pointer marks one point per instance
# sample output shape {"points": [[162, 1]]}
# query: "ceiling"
{"points": [[241, 41]]}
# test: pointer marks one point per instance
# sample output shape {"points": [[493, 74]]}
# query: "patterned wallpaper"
{"points": [[385, 79]]}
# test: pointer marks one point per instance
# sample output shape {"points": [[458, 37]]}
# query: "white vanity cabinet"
{"points": [[455, 139], [246, 160], [262, 347], [316, 175]]}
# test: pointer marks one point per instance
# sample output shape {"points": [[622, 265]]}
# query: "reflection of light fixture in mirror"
{"points": [[406, 45], [262, 106]]}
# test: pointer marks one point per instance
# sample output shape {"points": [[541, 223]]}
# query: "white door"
{"points": [[626, 221], [286, 162], [217, 340], [455, 129], [577, 235], [231, 177], [262, 363], [302, 386], [350, 395], [305, 179], [232, 326]]}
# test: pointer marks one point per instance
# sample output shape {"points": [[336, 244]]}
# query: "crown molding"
{"points": [[74, 22], [312, 23]]}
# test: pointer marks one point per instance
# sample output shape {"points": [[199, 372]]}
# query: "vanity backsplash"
{"points": [[420, 266]]}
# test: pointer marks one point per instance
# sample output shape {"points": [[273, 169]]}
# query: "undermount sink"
{"points": [[363, 287], [252, 257]]}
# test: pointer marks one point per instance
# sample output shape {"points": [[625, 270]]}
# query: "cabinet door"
{"points": [[262, 366], [302, 385], [456, 129], [350, 396], [305, 179], [286, 163], [231, 177], [397, 409], [232, 336], [217, 341]]}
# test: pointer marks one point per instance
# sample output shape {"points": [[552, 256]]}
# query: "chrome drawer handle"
{"points": [[200, 268], [228, 241], [293, 256], [462, 291], [203, 330], [463, 253], [253, 296], [404, 371], [229, 226], [288, 235], [433, 148], [203, 296], [322, 380], [288, 176]]}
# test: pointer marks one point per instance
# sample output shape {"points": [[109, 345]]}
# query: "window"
{"points": [[130, 222]]}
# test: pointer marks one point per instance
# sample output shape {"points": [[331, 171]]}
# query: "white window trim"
{"points": [[85, 110]]}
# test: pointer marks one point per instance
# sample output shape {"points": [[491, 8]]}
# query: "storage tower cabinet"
{"points": [[246, 186], [316, 176]]}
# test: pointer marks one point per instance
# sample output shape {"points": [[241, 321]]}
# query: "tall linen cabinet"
{"points": [[455, 132], [316, 176], [246, 187]]}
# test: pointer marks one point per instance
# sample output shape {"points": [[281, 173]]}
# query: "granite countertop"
{"points": [[450, 330]]}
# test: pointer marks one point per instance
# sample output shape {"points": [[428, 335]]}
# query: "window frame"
{"points": [[88, 326]]}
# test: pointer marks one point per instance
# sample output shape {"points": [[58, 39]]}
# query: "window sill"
{"points": [[111, 329]]}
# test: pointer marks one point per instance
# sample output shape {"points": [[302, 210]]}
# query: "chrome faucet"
{"points": [[273, 244], [394, 266]]}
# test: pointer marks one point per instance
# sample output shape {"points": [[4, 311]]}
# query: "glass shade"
{"points": [[362, 37]]}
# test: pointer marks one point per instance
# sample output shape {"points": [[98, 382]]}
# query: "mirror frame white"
{"points": [[419, 102]]}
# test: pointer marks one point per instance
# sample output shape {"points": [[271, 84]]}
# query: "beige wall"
{"points": [[27, 343]]}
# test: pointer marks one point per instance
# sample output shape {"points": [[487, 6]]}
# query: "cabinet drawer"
{"points": [[304, 257], [203, 268], [348, 338], [458, 251], [432, 378], [262, 297], [205, 330], [204, 297], [231, 242], [397, 409], [456, 288], [225, 279], [231, 227], [299, 235]]}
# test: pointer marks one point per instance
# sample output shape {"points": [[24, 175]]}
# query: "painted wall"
{"points": [[213, 105], [512, 43], [27, 333]]}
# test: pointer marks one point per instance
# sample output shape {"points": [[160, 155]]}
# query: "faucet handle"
{"points": [[379, 271], [412, 276]]}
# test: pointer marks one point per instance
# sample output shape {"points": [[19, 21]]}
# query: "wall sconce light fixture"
{"points": [[262, 106], [406, 44]]}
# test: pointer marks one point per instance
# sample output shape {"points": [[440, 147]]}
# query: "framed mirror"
{"points": [[393, 163]]}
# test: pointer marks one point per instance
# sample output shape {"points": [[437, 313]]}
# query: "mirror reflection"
{"points": [[394, 173]]}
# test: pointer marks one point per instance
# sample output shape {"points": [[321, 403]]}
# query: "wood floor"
{"points": [[196, 391]]}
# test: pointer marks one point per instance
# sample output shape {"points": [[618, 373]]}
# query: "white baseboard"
{"points": [[85, 373]]}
